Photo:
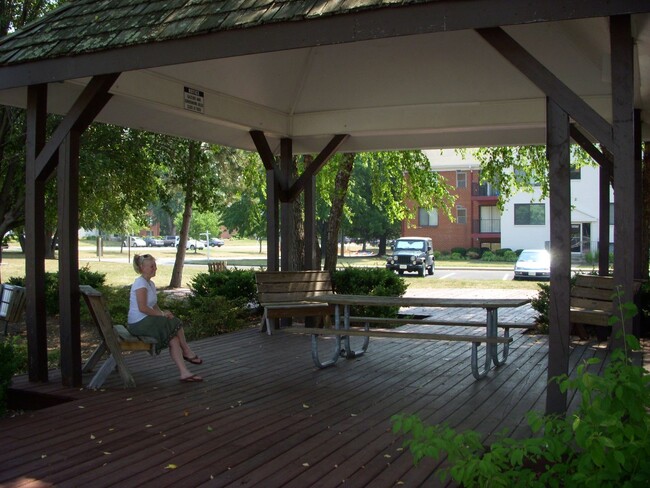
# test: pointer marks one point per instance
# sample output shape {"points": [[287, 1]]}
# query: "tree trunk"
{"points": [[297, 251], [338, 201], [177, 272], [645, 230]]}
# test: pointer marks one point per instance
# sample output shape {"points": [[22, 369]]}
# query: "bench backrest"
{"points": [[593, 292], [291, 286], [12, 302]]}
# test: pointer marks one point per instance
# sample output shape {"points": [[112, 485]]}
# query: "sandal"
{"points": [[192, 379], [195, 360]]}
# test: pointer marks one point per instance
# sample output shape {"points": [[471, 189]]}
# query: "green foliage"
{"points": [[86, 277], [235, 285], [207, 316], [510, 256], [455, 256], [459, 250], [606, 442], [8, 368], [369, 281], [540, 305], [489, 256]]}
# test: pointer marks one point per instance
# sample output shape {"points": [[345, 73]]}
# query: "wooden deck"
{"points": [[264, 416]]}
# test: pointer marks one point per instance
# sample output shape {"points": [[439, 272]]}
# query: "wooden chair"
{"points": [[216, 266], [12, 304], [115, 340]]}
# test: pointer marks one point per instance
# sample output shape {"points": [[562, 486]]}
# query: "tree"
{"points": [[397, 177]]}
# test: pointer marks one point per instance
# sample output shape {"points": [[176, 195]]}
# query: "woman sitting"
{"points": [[147, 319]]}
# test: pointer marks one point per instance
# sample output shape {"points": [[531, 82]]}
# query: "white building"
{"points": [[525, 222]]}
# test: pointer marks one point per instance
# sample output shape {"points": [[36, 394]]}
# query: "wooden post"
{"points": [[68, 196], [35, 315], [558, 143]]}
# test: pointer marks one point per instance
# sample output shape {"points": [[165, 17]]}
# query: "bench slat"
{"points": [[387, 320], [396, 334]]}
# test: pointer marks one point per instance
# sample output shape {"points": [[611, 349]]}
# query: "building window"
{"points": [[530, 214], [461, 179], [461, 214], [575, 172], [428, 217]]}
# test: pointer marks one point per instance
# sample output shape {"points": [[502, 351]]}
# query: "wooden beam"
{"points": [[318, 163], [91, 101], [272, 222], [69, 322], [604, 200], [549, 84], [622, 61], [310, 218], [319, 30], [603, 158], [35, 315], [287, 240], [269, 162], [558, 152]]}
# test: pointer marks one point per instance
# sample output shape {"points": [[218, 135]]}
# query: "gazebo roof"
{"points": [[392, 74]]}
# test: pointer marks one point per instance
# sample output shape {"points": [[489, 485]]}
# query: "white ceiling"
{"points": [[439, 90]]}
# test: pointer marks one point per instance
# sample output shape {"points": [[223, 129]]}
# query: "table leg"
{"points": [[493, 331], [337, 344], [488, 359], [349, 352]]}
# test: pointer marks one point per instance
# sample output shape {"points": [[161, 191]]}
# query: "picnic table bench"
{"points": [[12, 304], [289, 294], [344, 331]]}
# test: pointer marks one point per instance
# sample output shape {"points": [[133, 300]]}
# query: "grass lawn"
{"points": [[116, 263]]}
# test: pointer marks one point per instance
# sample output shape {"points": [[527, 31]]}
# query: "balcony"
{"points": [[486, 226], [484, 191]]}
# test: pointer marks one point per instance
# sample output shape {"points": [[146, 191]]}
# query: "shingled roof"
{"points": [[86, 26]]}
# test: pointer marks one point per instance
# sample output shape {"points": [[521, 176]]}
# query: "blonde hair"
{"points": [[138, 261]]}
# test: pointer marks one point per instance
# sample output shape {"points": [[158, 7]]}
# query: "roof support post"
{"points": [[310, 217], [35, 316], [624, 167], [287, 221], [558, 153], [68, 207], [606, 165]]}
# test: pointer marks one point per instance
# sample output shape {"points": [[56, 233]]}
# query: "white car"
{"points": [[134, 242], [191, 244], [533, 263]]}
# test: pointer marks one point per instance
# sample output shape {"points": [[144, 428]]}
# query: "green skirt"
{"points": [[160, 328]]}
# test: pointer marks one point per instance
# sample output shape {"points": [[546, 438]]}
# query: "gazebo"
{"points": [[321, 76]]}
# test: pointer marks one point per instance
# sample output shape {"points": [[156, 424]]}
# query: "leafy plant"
{"points": [[606, 442], [370, 281], [232, 284], [8, 367]]}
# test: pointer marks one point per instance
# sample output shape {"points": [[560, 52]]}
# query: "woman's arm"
{"points": [[141, 297]]}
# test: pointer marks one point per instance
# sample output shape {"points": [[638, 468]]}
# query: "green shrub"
{"points": [[369, 281], [489, 256], [455, 256], [510, 256], [207, 316], [458, 250], [437, 254], [541, 304], [502, 251], [606, 442], [86, 277], [8, 368], [475, 252], [233, 284]]}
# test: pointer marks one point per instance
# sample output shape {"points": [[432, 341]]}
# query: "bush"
{"points": [[456, 256], [207, 316], [475, 252], [86, 277], [605, 442], [460, 250], [489, 256], [510, 256], [540, 304], [234, 285], [502, 252], [370, 281], [8, 368]]}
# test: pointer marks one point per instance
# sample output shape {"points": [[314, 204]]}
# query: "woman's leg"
{"points": [[176, 352], [187, 351]]}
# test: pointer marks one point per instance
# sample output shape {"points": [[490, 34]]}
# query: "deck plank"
{"points": [[265, 416]]}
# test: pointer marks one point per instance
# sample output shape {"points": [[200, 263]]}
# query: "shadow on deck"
{"points": [[264, 416]]}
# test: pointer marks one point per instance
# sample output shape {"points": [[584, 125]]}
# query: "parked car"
{"points": [[191, 244], [134, 242], [412, 254], [214, 242], [170, 241], [154, 241], [533, 263]]}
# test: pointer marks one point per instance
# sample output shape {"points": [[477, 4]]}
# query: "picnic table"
{"points": [[494, 356]]}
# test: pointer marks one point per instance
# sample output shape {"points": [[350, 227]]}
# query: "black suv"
{"points": [[412, 254]]}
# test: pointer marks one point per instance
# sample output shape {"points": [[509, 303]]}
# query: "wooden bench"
{"points": [[114, 338], [592, 302], [287, 294], [216, 266], [12, 304]]}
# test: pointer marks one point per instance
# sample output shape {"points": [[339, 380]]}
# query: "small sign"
{"points": [[193, 99]]}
